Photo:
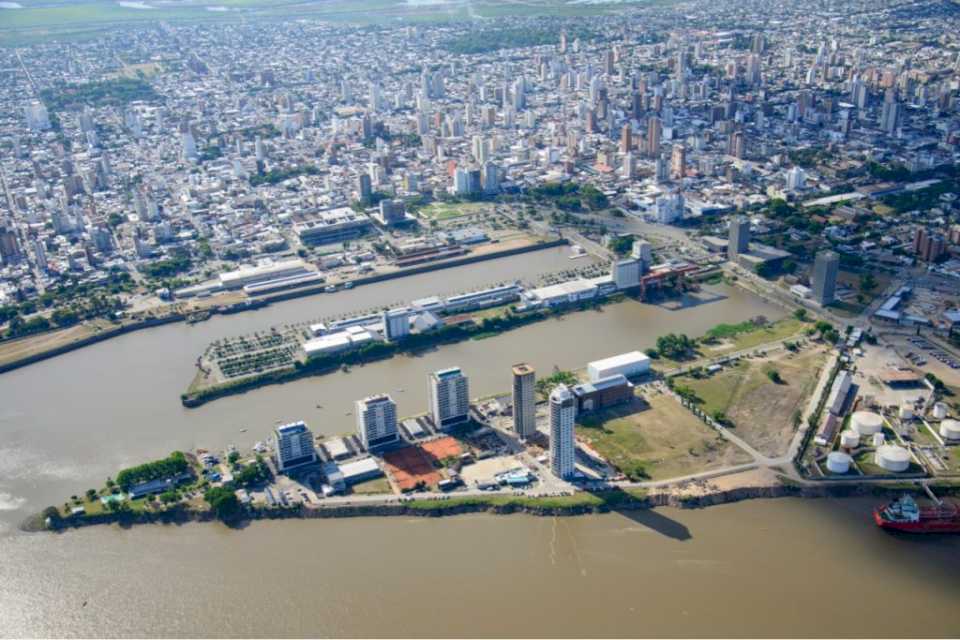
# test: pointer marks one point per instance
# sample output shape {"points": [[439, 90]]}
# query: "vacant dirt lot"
{"points": [[762, 410]]}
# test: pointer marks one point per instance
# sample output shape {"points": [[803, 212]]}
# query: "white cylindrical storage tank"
{"points": [[879, 440], [940, 411], [893, 458], [849, 439], [906, 412], [838, 462], [866, 423], [950, 430]]}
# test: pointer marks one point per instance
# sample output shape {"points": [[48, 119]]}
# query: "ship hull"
{"points": [[933, 525]]}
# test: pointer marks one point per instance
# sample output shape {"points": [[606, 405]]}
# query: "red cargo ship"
{"points": [[906, 515]]}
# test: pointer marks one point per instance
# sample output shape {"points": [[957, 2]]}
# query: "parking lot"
{"points": [[925, 350]]}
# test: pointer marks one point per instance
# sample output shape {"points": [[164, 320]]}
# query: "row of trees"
{"points": [[170, 467]]}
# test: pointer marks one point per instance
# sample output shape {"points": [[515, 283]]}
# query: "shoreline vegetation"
{"points": [[612, 500]]}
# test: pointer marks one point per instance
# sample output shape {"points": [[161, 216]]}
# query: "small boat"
{"points": [[319, 406], [348, 285], [330, 288], [243, 430]]}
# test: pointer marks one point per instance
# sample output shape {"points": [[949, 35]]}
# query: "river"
{"points": [[69, 422], [768, 568]]}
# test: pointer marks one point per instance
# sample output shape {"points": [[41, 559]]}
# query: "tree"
{"points": [[676, 346], [765, 270], [621, 245], [91, 494], [224, 503], [774, 376], [867, 282]]}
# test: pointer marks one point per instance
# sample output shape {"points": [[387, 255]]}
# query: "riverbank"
{"points": [[21, 352], [750, 485]]}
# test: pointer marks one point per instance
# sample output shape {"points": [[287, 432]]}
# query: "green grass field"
{"points": [[761, 410], [40, 20], [659, 440], [441, 211], [375, 486]]}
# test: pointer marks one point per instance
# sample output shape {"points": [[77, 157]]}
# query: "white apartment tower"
{"points": [[377, 421], [449, 397], [294, 446], [563, 413]]}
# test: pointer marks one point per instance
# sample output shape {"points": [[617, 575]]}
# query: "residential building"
{"points": [[739, 237], [524, 400], [563, 414], [824, 280], [294, 446], [377, 421], [449, 397]]}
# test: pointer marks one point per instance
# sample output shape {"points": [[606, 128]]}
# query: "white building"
{"points": [[626, 273], [332, 225], [669, 208], [396, 323], [796, 179], [263, 272], [37, 117], [627, 364], [189, 146], [377, 421], [294, 446], [449, 397], [643, 251], [563, 414]]}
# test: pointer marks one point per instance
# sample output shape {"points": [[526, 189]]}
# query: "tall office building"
{"points": [[294, 446], [653, 136], [396, 323], [739, 239], [364, 187], [377, 421], [9, 247], [735, 145], [449, 397], [189, 146], [524, 400], [626, 139], [563, 414], [678, 162], [824, 280], [889, 116]]}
